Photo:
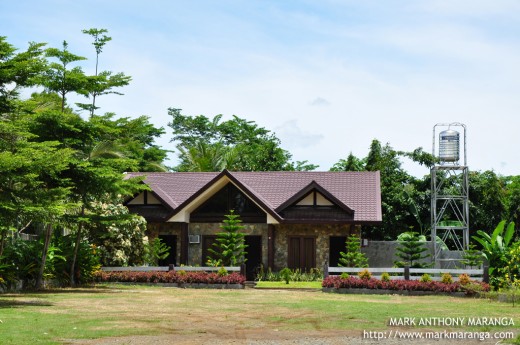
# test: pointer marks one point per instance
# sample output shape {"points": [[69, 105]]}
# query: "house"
{"points": [[292, 219]]}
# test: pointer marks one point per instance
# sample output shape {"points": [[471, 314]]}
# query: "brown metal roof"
{"points": [[359, 191]]}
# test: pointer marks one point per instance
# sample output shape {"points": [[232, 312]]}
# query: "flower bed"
{"points": [[181, 278], [337, 282]]}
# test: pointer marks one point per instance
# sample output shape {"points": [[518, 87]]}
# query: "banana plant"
{"points": [[495, 247]]}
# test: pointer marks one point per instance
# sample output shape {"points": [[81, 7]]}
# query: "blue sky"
{"points": [[326, 76]]}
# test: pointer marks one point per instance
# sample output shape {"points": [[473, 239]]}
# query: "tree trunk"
{"points": [[46, 243], [76, 250]]}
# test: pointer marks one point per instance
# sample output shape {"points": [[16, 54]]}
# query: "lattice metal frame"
{"points": [[450, 193]]}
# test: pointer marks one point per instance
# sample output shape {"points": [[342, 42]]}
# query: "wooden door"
{"points": [[301, 253]]}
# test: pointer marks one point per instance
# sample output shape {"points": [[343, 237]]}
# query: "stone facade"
{"points": [[322, 233], [156, 229], [204, 229]]}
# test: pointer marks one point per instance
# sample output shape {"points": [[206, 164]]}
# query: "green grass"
{"points": [[291, 285], [57, 316]]}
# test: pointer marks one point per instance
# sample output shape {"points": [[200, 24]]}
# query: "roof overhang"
{"points": [[182, 213]]}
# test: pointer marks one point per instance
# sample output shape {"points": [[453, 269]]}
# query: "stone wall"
{"points": [[195, 249], [322, 232]]}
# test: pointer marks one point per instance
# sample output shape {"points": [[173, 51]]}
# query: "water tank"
{"points": [[449, 146]]}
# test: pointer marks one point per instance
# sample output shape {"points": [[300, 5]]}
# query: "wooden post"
{"points": [[406, 272], [326, 271], [171, 267], [485, 274], [243, 269]]}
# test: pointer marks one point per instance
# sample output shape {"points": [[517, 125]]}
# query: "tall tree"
{"points": [[104, 82], [352, 163], [62, 79], [240, 144], [18, 70]]}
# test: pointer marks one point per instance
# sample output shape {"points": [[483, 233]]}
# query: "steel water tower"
{"points": [[449, 193]]}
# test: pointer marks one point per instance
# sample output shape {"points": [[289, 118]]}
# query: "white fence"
{"points": [[169, 268], [409, 273]]}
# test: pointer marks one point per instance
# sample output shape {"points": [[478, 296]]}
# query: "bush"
{"points": [[402, 285], [286, 275], [446, 278], [464, 279], [385, 277], [345, 275], [425, 278], [365, 274], [296, 275], [222, 272], [177, 277]]}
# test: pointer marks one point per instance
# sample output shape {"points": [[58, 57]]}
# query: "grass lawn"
{"points": [[291, 285], [120, 310]]}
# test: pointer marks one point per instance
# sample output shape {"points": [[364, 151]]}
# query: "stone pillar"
{"points": [[270, 246], [184, 243]]}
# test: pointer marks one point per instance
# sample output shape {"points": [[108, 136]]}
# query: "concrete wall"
{"points": [[382, 254]]}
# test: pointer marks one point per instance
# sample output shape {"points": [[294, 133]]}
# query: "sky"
{"points": [[327, 77]]}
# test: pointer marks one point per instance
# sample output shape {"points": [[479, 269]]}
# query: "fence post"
{"points": [[406, 272], [485, 274], [243, 269], [325, 271], [171, 267]]}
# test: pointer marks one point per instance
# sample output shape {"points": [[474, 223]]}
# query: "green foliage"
{"points": [[385, 277], [88, 261], [60, 78], [345, 275], [222, 272], [425, 278], [410, 249], [472, 257], [229, 248], [211, 145], [286, 275], [296, 275], [155, 250], [495, 248], [353, 257], [118, 235]]}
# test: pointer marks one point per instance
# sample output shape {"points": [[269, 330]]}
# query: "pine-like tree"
{"points": [[410, 250], [229, 248], [353, 257]]}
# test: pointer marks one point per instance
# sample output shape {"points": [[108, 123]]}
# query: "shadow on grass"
{"points": [[13, 303]]}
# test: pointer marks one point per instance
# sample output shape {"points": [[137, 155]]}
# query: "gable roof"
{"points": [[359, 192]]}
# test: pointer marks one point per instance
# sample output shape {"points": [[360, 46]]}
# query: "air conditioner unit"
{"points": [[194, 238]]}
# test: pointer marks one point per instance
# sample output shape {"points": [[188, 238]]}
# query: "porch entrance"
{"points": [[302, 253], [336, 246], [170, 241], [253, 256]]}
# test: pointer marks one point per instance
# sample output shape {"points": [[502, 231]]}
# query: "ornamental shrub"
{"points": [[464, 279], [178, 277], [345, 275], [365, 274], [425, 278], [385, 277], [353, 257], [222, 272], [446, 278], [403, 285], [229, 247], [286, 275]]}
